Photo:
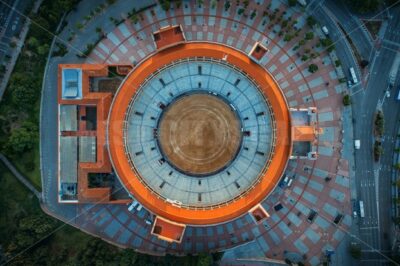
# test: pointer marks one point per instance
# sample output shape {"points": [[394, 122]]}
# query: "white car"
{"points": [[325, 30], [349, 83], [357, 144]]}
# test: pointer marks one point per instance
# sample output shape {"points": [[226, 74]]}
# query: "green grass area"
{"points": [[22, 164], [15, 201]]}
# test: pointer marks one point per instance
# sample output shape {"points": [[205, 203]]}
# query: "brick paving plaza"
{"points": [[320, 186]]}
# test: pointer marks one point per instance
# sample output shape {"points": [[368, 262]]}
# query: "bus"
{"points": [[353, 75], [362, 209]]}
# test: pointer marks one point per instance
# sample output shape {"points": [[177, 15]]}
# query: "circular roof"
{"points": [[199, 133]]}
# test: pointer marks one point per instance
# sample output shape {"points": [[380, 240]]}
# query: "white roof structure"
{"points": [[72, 83]]}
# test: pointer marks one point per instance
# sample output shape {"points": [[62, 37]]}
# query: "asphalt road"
{"points": [[11, 23], [391, 110], [372, 184], [352, 26], [343, 48]]}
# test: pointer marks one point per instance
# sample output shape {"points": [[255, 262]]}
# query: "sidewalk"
{"points": [[20, 177]]}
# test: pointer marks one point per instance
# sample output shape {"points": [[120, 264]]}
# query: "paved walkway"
{"points": [[20, 177]]}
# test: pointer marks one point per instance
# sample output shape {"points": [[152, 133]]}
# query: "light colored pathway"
{"points": [[20, 177]]}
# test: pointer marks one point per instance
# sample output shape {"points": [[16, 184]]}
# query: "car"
{"points": [[387, 94], [349, 83], [357, 144], [325, 30], [355, 214]]}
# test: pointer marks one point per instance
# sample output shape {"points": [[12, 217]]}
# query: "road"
{"points": [[343, 48], [353, 27], [15, 25], [11, 23], [372, 184], [374, 180]]}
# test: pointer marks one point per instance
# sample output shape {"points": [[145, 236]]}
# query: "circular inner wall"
{"points": [[139, 118], [199, 134]]}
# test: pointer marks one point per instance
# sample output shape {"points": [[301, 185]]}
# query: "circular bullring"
{"points": [[199, 133]]}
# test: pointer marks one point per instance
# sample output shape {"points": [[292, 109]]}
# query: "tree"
{"points": [[292, 2], [204, 259], [364, 6], [328, 43], [346, 100], [43, 49], [312, 68], [23, 96], [64, 4], [33, 43], [23, 91], [40, 32], [22, 139], [311, 21]]}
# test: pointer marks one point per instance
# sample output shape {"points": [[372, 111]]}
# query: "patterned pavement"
{"points": [[321, 185]]}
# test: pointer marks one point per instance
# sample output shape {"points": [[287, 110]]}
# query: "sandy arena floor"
{"points": [[199, 134]]}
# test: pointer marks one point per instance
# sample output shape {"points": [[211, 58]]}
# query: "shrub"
{"points": [[79, 26], [287, 37], [253, 14], [379, 123], [378, 151], [165, 5], [227, 5], [312, 68], [309, 35]]}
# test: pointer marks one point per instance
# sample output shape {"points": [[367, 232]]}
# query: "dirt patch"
{"points": [[199, 134], [109, 85]]}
